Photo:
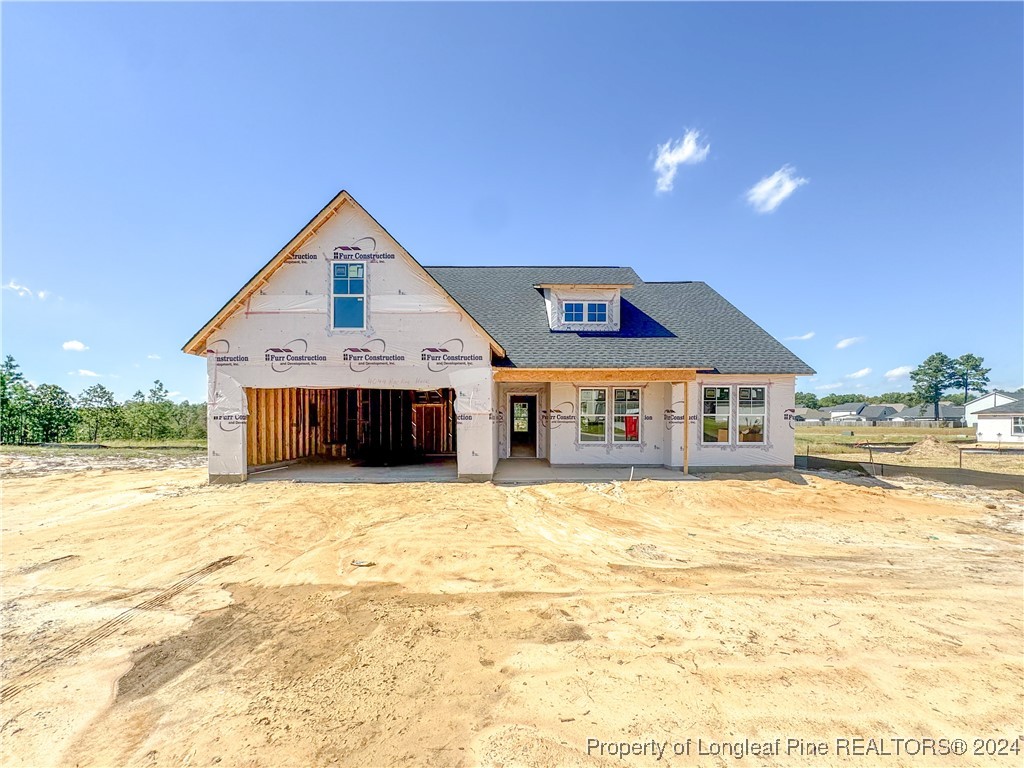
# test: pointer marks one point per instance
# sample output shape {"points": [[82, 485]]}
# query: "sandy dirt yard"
{"points": [[152, 620]]}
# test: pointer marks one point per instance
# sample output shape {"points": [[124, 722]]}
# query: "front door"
{"points": [[523, 438]]}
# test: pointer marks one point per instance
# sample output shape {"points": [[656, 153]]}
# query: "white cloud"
{"points": [[84, 372], [859, 374], [898, 373], [769, 192], [684, 151], [805, 337], [152, 357], [174, 394], [21, 290], [844, 343], [830, 386], [74, 346], [43, 295]]}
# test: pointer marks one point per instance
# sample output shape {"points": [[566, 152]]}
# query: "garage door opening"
{"points": [[367, 427]]}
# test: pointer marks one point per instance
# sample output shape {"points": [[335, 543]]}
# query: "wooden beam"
{"points": [[594, 375]]}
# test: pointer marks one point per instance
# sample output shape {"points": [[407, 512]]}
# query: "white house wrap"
{"points": [[343, 345]]}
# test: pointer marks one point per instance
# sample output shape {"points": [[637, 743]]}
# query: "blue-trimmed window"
{"points": [[597, 312], [572, 312], [348, 295]]}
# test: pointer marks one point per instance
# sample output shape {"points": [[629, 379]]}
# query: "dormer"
{"points": [[579, 307]]}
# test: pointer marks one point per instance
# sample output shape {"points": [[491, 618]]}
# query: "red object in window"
{"points": [[632, 427]]}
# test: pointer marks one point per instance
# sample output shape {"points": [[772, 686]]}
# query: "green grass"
{"points": [[830, 440], [116, 448]]}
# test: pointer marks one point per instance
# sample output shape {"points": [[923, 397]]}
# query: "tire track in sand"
{"points": [[29, 677]]}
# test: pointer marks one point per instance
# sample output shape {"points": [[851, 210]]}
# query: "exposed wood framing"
{"points": [[594, 375], [372, 423], [280, 428]]}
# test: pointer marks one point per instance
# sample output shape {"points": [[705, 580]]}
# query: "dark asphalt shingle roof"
{"points": [[845, 408], [1006, 409], [877, 412], [927, 411], [663, 325]]}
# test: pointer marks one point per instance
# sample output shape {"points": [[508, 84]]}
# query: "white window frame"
{"points": [[764, 415], [609, 416], [732, 418], [579, 407], [333, 295], [583, 312], [586, 314], [1017, 425], [639, 414]]}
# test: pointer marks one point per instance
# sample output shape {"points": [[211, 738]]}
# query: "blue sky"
{"points": [[851, 171]]}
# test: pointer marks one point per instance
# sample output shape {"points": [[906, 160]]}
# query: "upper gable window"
{"points": [[572, 312], [597, 312], [348, 295]]}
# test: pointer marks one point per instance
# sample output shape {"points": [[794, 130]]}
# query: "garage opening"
{"points": [[371, 427]]}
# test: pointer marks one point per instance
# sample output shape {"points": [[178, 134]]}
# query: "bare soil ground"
{"points": [[151, 619]]}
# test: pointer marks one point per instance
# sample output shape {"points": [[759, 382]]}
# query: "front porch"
{"points": [[533, 471]]}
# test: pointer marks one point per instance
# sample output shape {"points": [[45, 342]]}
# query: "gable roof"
{"points": [[197, 344], [844, 407], [1010, 395], [876, 412], [1006, 409], [663, 325], [808, 414], [927, 411]]}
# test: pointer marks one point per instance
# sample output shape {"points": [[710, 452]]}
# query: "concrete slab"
{"points": [[532, 471], [344, 471]]}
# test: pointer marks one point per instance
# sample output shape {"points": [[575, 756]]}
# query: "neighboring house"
{"points": [[860, 413], [844, 411], [992, 399], [925, 414], [876, 413], [344, 345], [810, 416], [1001, 423], [896, 407]]}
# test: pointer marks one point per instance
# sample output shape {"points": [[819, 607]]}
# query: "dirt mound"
{"points": [[932, 448]]}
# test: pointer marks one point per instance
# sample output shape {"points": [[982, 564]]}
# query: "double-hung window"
{"points": [[597, 312], [348, 295], [626, 424], [593, 415], [1017, 427], [717, 415], [626, 415], [572, 312], [750, 414]]}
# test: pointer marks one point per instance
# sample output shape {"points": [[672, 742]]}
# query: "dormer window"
{"points": [[583, 308], [573, 312], [589, 312]]}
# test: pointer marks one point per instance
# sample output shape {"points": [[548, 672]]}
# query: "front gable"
{"points": [[297, 292]]}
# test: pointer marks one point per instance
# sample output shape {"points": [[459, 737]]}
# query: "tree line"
{"points": [[933, 379], [47, 413]]}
